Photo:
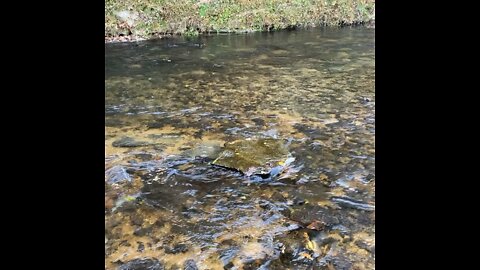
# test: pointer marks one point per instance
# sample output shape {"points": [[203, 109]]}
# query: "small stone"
{"points": [[144, 156], [136, 219], [316, 225], [142, 231], [363, 245], [142, 264], [112, 222], [365, 99], [278, 197], [109, 203], [346, 239], [141, 247], [190, 265], [176, 249], [298, 201]]}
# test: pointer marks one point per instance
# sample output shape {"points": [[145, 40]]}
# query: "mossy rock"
{"points": [[254, 156]]}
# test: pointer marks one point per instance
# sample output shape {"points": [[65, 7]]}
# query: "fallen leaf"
{"points": [[316, 225]]}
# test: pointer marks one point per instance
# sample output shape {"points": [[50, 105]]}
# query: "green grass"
{"points": [[192, 17]]}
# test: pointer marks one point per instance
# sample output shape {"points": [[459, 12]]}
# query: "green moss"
{"points": [[202, 10], [191, 17], [191, 32]]}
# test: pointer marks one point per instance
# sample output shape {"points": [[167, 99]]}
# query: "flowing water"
{"points": [[171, 105]]}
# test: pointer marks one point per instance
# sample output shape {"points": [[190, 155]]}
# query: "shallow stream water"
{"points": [[172, 104]]}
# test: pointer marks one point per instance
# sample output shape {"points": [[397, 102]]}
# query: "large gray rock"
{"points": [[117, 174], [127, 16]]}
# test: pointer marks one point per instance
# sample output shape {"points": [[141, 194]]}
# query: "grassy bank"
{"points": [[147, 18]]}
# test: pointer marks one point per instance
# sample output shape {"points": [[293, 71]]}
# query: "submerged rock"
{"points": [[309, 213], [190, 265], [178, 248], [141, 247], [117, 174], [142, 264], [364, 245], [264, 157], [338, 261], [130, 142]]}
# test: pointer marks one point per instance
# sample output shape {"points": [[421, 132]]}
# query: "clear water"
{"points": [[170, 105]]}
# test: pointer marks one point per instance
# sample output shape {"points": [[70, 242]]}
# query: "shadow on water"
{"points": [[170, 107]]}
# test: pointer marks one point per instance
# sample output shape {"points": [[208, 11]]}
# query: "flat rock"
{"points": [[117, 174], [190, 265], [255, 156]]}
